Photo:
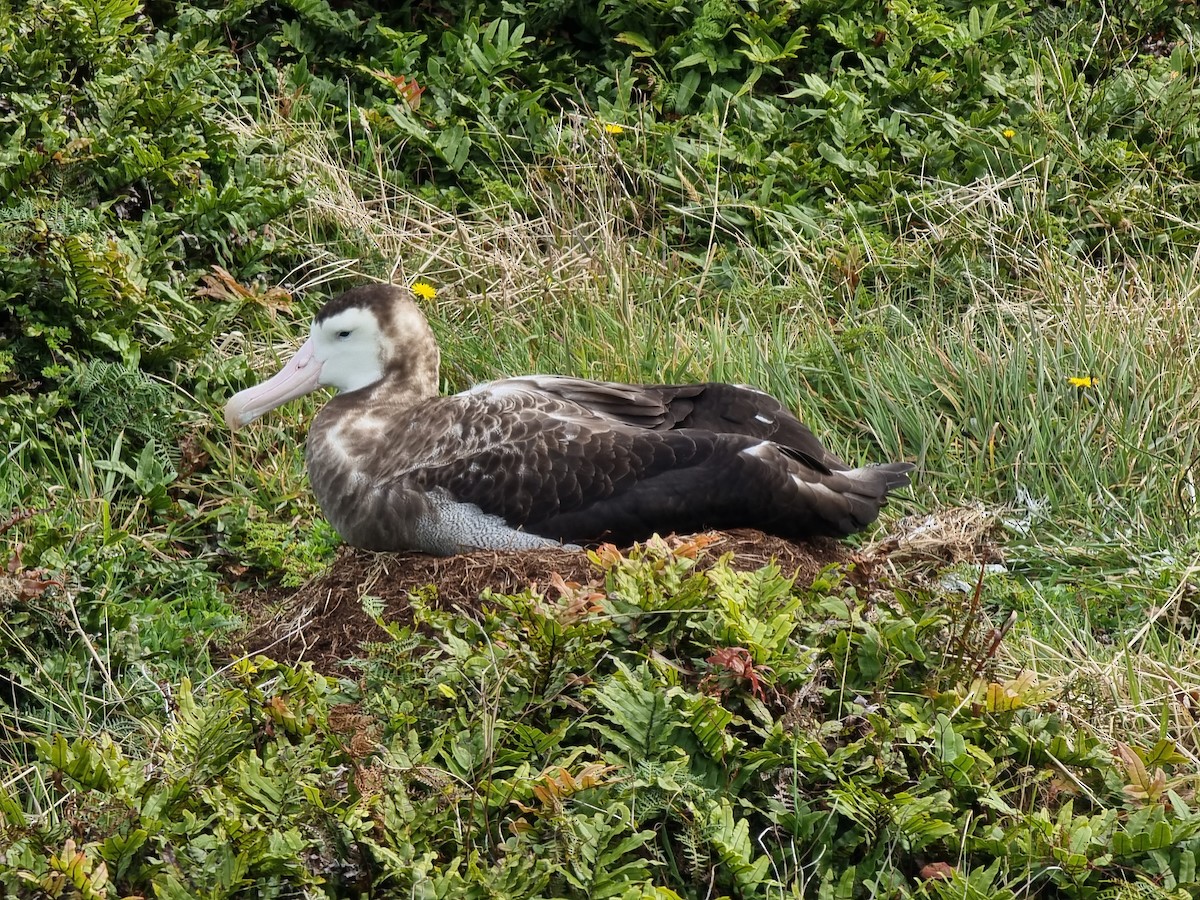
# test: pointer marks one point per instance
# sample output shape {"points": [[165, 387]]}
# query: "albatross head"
{"points": [[358, 339]]}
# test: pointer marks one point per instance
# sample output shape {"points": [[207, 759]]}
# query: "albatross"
{"points": [[543, 460]]}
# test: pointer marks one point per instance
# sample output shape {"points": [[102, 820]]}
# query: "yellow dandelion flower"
{"points": [[1009, 133], [1085, 381], [614, 128], [424, 290]]}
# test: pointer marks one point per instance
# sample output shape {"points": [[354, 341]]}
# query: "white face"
{"points": [[345, 351], [349, 347]]}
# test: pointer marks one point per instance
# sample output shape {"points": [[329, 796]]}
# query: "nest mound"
{"points": [[323, 622]]}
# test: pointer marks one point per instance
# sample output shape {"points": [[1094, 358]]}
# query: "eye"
{"points": [[342, 335]]}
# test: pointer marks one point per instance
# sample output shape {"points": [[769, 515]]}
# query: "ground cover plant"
{"points": [[958, 233], [717, 731]]}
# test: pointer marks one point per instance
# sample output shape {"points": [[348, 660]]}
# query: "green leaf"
{"points": [[949, 744], [644, 47], [639, 719], [686, 90]]}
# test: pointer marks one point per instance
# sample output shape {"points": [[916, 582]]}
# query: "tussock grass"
{"points": [[955, 346], [1139, 687], [570, 234]]}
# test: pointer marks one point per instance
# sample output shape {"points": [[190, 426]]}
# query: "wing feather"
{"points": [[715, 407]]}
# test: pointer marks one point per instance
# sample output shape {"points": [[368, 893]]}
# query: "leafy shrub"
{"points": [[119, 181], [767, 118], [663, 733]]}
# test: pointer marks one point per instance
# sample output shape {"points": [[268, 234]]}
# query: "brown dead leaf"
{"points": [[605, 556], [19, 515], [692, 547], [937, 871], [220, 285], [32, 583], [14, 562], [577, 601], [408, 90]]}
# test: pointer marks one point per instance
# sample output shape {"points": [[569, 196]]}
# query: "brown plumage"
{"points": [[540, 460]]}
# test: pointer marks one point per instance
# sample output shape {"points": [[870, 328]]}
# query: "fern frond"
{"points": [[112, 398], [729, 836], [640, 721], [204, 738], [695, 850]]}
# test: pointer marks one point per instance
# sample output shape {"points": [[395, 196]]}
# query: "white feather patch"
{"points": [[762, 450], [497, 390], [453, 527]]}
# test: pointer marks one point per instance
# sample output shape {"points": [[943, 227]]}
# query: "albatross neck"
{"points": [[406, 384]]}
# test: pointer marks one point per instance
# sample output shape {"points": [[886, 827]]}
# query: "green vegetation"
{"points": [[959, 233], [662, 726]]}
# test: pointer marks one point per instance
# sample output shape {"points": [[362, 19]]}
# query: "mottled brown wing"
{"points": [[631, 404], [527, 457], [719, 408], [553, 468]]}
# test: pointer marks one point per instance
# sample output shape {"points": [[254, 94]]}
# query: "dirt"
{"points": [[323, 621]]}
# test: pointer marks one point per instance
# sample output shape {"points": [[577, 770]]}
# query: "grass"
{"points": [[954, 353], [952, 345]]}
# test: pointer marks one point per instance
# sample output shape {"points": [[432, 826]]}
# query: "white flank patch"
{"points": [[455, 527], [764, 419], [764, 450]]}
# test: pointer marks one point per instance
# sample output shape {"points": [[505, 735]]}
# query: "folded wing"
{"points": [[626, 465]]}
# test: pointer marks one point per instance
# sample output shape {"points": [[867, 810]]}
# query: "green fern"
{"points": [[373, 606], [204, 738], [914, 821], [89, 284], [638, 719], [109, 20], [112, 398], [606, 858], [729, 836], [709, 723], [1145, 889], [694, 849], [981, 883], [758, 610]]}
